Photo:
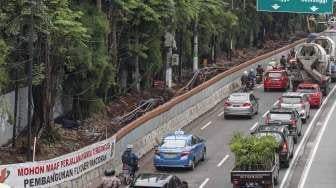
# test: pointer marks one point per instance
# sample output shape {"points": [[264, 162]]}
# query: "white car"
{"points": [[298, 101]]}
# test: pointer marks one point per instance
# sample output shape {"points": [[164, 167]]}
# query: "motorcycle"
{"points": [[248, 85], [127, 176], [259, 78]]}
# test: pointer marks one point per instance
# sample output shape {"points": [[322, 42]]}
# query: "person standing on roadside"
{"points": [[110, 180]]}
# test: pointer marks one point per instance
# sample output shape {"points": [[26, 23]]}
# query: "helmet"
{"points": [[259, 65], [129, 146], [252, 70], [108, 172], [245, 72]]}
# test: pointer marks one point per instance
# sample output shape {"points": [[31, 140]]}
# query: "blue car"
{"points": [[180, 150]]}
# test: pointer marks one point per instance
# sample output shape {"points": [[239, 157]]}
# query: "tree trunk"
{"points": [[136, 64], [195, 54], [98, 2], [15, 107], [181, 55]]}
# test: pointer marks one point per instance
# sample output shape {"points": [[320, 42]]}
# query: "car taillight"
{"points": [[226, 103], [293, 122], [285, 147], [184, 153], [247, 104], [157, 153], [302, 105]]}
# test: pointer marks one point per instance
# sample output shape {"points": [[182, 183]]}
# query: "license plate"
{"points": [[169, 155], [235, 105]]}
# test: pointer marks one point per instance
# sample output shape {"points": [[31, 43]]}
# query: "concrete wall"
{"points": [[7, 114], [7, 103]]}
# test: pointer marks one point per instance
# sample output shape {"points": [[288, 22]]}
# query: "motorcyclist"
{"points": [[252, 74], [283, 62], [260, 70], [260, 73], [244, 78], [110, 180], [130, 160]]}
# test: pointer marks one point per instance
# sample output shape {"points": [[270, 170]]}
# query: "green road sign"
{"points": [[296, 6]]}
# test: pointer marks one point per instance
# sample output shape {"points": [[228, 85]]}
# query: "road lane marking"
{"points": [[223, 160], [313, 153], [254, 126], [220, 114], [206, 125], [204, 182], [276, 102], [259, 86], [295, 157]]}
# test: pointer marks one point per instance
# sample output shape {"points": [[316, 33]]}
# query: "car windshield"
{"points": [[291, 100], [174, 143], [274, 75], [307, 90], [238, 98], [275, 135], [279, 116]]}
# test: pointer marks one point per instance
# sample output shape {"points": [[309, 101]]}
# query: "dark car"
{"points": [[286, 116], [158, 180], [284, 138]]}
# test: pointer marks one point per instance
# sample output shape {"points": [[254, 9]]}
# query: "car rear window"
{"points": [[279, 116], [174, 143], [277, 136], [307, 89], [274, 74], [238, 98], [291, 100]]}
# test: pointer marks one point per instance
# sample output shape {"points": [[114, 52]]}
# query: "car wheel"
{"points": [[203, 155], [192, 165], [226, 116], [300, 132], [308, 115], [296, 138], [304, 121], [286, 163]]}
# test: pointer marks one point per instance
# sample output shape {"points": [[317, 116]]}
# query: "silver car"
{"points": [[298, 101], [241, 104]]}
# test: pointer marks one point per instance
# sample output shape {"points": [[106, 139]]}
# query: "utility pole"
{"points": [[30, 66]]}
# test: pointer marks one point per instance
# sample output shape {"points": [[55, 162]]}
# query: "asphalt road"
{"points": [[215, 171]]}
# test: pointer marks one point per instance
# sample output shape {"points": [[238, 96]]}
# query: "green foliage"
{"points": [[251, 150], [3, 69]]}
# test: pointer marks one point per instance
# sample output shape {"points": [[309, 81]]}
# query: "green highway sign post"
{"points": [[296, 6]]}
